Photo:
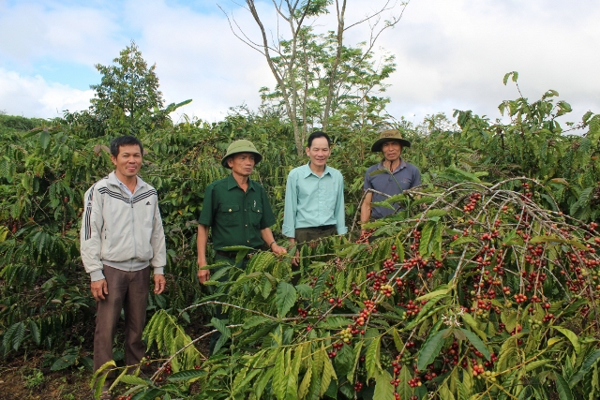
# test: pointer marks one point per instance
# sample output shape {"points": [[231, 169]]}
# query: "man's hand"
{"points": [[159, 283], [99, 289], [296, 259], [203, 274], [277, 249]]}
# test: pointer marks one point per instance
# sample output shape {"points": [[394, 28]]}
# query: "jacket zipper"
{"points": [[133, 229]]}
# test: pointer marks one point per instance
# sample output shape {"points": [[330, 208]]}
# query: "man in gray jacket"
{"points": [[121, 238]]}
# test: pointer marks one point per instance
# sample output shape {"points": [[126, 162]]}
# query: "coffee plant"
{"points": [[473, 292], [484, 286]]}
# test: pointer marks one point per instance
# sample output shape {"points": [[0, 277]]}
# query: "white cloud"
{"points": [[61, 32], [453, 54], [34, 97], [450, 54]]}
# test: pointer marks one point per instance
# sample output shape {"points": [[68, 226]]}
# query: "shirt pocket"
{"points": [[229, 215], [256, 215]]}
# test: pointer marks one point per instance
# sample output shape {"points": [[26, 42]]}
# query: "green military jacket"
{"points": [[236, 217]]}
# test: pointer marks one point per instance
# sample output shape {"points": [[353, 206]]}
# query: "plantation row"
{"points": [[487, 285]]}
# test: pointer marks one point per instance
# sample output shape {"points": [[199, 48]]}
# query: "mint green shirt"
{"points": [[312, 201]]}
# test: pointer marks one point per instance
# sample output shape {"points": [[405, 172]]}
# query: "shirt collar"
{"points": [[112, 179], [308, 172], [232, 183], [400, 166]]}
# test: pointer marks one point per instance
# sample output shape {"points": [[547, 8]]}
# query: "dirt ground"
{"points": [[25, 380]]}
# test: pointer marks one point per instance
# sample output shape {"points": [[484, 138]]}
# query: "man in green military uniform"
{"points": [[237, 209]]}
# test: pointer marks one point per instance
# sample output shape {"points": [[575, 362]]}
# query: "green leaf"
{"points": [[397, 340], [328, 374], [286, 297], [425, 238], [305, 384], [475, 341], [18, 335], [383, 388], [357, 351], [431, 348], [35, 332], [44, 139], [586, 367], [468, 319], [279, 378], [187, 375], [221, 327], [63, 362], [562, 387], [463, 240], [134, 380], [372, 357], [404, 389], [571, 336], [436, 243], [440, 291], [436, 213], [254, 322], [445, 392]]}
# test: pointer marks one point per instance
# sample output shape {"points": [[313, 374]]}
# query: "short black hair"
{"points": [[318, 134], [127, 140]]}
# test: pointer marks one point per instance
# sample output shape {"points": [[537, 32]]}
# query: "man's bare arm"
{"points": [[201, 241], [365, 208]]}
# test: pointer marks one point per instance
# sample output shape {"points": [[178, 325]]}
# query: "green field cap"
{"points": [[241, 146], [386, 136]]}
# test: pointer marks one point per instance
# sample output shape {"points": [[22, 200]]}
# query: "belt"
{"points": [[232, 254], [319, 228]]}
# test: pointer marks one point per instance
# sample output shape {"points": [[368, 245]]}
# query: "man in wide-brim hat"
{"points": [[391, 176], [237, 209]]}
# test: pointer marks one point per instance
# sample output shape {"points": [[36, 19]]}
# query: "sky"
{"points": [[450, 54]]}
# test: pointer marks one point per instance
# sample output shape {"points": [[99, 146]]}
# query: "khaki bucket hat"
{"points": [[386, 136], [241, 146]]}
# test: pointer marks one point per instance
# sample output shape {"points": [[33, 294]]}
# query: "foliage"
{"points": [[473, 292], [127, 101], [268, 350]]}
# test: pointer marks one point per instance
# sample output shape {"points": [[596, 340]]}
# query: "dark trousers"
{"points": [[129, 291], [305, 235], [219, 314]]}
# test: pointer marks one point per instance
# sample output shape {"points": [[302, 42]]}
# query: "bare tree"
{"points": [[285, 55]]}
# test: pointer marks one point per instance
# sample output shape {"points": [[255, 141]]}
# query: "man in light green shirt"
{"points": [[314, 196]]}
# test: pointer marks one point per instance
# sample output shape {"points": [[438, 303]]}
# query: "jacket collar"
{"points": [[114, 181]]}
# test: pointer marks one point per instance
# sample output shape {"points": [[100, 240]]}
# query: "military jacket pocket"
{"points": [[229, 215]]}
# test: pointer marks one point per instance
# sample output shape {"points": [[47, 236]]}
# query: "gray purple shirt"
{"points": [[405, 176]]}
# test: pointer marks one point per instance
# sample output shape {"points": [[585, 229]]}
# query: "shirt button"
{"points": [[246, 225], [244, 209], [247, 241], [230, 210]]}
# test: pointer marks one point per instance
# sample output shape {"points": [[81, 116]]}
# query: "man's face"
{"points": [[391, 150], [129, 160], [241, 163], [318, 152]]}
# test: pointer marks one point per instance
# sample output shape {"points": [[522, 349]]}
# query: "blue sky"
{"points": [[449, 53]]}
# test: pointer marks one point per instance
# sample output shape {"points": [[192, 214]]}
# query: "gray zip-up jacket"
{"points": [[121, 230]]}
